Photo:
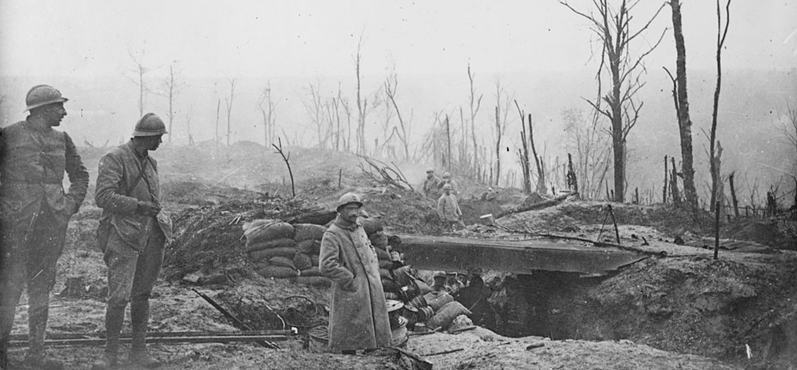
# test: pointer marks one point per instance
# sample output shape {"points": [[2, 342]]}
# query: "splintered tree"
{"points": [[402, 131], [613, 28], [140, 71], [362, 103], [714, 160], [268, 110], [682, 110], [171, 87], [475, 104], [315, 109], [228, 102], [525, 161], [501, 117]]}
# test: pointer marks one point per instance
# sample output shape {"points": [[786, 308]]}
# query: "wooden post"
{"points": [[571, 174], [733, 196], [716, 229], [340, 177], [664, 189], [616, 231], [448, 140]]}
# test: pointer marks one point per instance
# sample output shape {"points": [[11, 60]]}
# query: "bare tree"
{"points": [[714, 160], [681, 101], [613, 28], [314, 106], [592, 150], [268, 107], [188, 115], [402, 131], [171, 87], [140, 71], [475, 104], [362, 103], [501, 118], [228, 102]]}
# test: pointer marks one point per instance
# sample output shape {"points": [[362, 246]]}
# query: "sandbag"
{"points": [[309, 246], [265, 254], [279, 243], [313, 271], [385, 274], [268, 231], [304, 232], [302, 261], [382, 254], [282, 261], [383, 264], [279, 272], [446, 314], [423, 288], [315, 259], [313, 280], [437, 299], [371, 225], [389, 285]]}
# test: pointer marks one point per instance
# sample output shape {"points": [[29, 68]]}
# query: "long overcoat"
{"points": [[358, 318]]}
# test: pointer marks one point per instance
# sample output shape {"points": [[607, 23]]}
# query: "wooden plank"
{"points": [[522, 257]]}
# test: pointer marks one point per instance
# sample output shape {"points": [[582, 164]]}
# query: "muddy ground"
{"points": [[684, 310]]}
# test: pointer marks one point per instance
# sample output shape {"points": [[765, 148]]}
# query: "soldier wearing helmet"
{"points": [[448, 209], [358, 319], [34, 213], [132, 234], [430, 184], [448, 180]]}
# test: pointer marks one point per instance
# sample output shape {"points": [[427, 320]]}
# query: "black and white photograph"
{"points": [[407, 185]]}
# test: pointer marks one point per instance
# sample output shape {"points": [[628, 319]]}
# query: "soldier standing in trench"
{"points": [[358, 319], [35, 214], [448, 209], [132, 234]]}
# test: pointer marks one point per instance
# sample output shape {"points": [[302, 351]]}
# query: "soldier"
{"points": [[430, 184], [358, 319], [447, 180], [132, 234], [35, 214], [448, 209]]}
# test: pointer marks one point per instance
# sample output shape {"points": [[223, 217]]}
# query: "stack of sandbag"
{"points": [[376, 234], [308, 246], [281, 250]]}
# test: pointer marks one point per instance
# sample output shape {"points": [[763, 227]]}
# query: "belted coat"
{"points": [[358, 318]]}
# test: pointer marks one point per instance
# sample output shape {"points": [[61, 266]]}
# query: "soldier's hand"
{"points": [[349, 286], [148, 208]]}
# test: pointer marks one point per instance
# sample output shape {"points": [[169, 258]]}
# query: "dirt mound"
{"points": [[693, 305], [210, 237], [775, 232]]}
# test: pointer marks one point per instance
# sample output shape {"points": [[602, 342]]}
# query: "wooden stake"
{"points": [[716, 229], [616, 231]]}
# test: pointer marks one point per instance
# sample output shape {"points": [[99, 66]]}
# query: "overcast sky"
{"points": [[306, 38]]}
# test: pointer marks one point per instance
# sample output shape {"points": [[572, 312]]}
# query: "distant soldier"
{"points": [[448, 209], [430, 184], [35, 214], [358, 318], [132, 234], [448, 180]]}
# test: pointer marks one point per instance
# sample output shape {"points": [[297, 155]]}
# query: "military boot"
{"points": [[139, 317], [114, 319]]}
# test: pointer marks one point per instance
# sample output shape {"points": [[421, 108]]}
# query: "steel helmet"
{"points": [[430, 170], [446, 175], [438, 274], [150, 125], [349, 198], [448, 186], [41, 95]]}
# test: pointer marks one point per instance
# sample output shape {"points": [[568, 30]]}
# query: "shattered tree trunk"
{"points": [[539, 205], [541, 189], [716, 179], [733, 196], [572, 180], [664, 188], [684, 122], [497, 146], [676, 196]]}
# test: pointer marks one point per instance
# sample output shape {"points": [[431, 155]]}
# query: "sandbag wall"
{"points": [[280, 250]]}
